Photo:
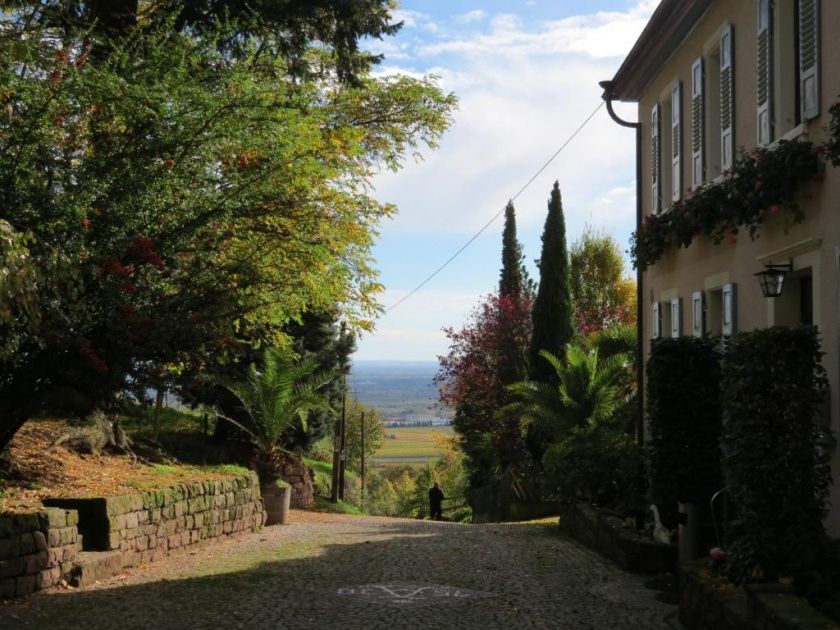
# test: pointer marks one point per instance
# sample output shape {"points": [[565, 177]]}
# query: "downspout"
{"points": [[609, 96]]}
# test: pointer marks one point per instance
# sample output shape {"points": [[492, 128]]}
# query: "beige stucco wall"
{"points": [[704, 265]]}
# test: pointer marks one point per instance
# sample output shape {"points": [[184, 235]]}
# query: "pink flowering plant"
{"points": [[763, 182]]}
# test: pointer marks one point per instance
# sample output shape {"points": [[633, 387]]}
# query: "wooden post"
{"points": [[342, 442], [363, 455]]}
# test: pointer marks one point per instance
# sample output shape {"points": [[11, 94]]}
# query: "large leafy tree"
{"points": [[178, 201], [470, 381], [552, 313], [278, 28], [603, 295]]}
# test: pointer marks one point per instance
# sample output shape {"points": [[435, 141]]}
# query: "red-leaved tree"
{"points": [[486, 355]]}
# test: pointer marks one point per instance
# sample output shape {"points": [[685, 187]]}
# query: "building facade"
{"points": [[712, 78]]}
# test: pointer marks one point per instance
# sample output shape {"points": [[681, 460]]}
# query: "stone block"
{"points": [[70, 553], [132, 520], [180, 509], [7, 588], [9, 547], [26, 585], [12, 567], [174, 541], [113, 540], [54, 538], [40, 540], [27, 544]]}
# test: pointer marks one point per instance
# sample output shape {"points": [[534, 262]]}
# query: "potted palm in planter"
{"points": [[276, 396]]}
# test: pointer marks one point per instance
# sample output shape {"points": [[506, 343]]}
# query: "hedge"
{"points": [[772, 390], [683, 407]]}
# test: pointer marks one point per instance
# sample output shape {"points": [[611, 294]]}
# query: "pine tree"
{"points": [[514, 280], [552, 314]]}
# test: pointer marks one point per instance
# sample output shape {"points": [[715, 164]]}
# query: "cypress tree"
{"points": [[552, 314], [513, 277]]}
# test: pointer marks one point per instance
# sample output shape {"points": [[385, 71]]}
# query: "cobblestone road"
{"points": [[363, 573]]}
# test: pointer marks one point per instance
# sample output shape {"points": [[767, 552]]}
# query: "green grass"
{"points": [[340, 507], [140, 421], [413, 446]]}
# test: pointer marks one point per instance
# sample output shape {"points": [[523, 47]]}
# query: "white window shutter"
{"points": [[764, 73], [809, 58], [656, 322], [698, 165], [730, 309], [676, 317], [676, 141], [698, 313], [727, 98], [655, 161]]}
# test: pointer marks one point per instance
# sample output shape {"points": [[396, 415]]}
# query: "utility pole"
{"points": [[343, 441], [363, 454], [336, 462]]}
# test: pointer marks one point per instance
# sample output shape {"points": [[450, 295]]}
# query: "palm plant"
{"points": [[277, 396], [588, 392]]}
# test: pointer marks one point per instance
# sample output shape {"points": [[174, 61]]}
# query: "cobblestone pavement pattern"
{"points": [[351, 573]]}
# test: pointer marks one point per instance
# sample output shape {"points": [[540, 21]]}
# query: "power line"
{"points": [[498, 214]]}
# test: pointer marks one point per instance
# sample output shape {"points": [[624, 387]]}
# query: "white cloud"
{"points": [[415, 19], [414, 332], [476, 15], [604, 34], [523, 91]]}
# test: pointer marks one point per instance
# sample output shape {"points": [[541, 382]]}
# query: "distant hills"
{"points": [[402, 389]]}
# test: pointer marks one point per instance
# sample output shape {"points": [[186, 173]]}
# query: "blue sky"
{"points": [[526, 73]]}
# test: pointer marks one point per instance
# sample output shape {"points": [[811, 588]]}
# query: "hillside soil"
{"points": [[33, 470]]}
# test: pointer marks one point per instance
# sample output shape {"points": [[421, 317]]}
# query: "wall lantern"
{"points": [[772, 279]]}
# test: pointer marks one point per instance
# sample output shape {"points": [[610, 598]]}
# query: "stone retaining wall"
{"points": [[709, 603], [604, 532], [301, 478], [36, 550], [147, 526]]}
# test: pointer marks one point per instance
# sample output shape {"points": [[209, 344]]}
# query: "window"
{"points": [[724, 142], [676, 317], [787, 89], [656, 322], [698, 314], [698, 123], [676, 142], [655, 161], [714, 319], [795, 306], [729, 325]]}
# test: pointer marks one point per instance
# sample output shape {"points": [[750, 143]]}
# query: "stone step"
{"points": [[93, 566]]}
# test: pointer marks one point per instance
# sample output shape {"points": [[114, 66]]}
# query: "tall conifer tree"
{"points": [[552, 314], [513, 276]]}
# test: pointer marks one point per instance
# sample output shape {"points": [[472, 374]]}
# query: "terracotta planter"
{"points": [[276, 500]]}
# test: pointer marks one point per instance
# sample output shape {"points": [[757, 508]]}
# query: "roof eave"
{"points": [[669, 25]]}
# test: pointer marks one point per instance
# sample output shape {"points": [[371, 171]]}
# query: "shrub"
{"points": [[772, 390], [596, 462], [683, 406]]}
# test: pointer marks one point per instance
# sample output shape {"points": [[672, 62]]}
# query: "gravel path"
{"points": [[329, 571]]}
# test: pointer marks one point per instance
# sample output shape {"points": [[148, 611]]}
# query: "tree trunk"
{"points": [[156, 421]]}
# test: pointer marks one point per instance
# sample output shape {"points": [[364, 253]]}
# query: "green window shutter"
{"points": [[676, 317], [764, 73], [698, 313], [809, 58], [730, 309], [676, 142], [698, 167], [655, 162], [656, 322], [727, 98]]}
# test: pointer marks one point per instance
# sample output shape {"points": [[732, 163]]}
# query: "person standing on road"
{"points": [[436, 502]]}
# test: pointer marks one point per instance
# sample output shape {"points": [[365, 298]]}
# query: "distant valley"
{"points": [[399, 389]]}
